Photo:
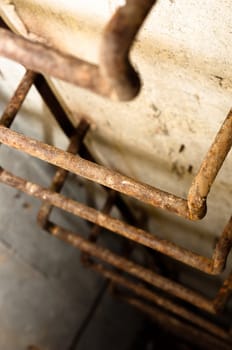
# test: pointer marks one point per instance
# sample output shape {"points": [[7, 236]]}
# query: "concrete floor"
{"points": [[45, 293]]}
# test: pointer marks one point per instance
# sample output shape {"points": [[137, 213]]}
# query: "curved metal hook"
{"points": [[115, 77], [118, 38]]}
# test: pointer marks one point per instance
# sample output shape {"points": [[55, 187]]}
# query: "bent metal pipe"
{"points": [[115, 77]]}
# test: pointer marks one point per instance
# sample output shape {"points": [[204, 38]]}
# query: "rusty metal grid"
{"points": [[90, 249], [121, 267], [116, 77], [91, 170]]}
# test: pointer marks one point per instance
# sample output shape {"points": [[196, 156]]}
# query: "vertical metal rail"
{"points": [[61, 174], [209, 169], [224, 294], [18, 98]]}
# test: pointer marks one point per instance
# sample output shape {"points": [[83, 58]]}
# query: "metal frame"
{"points": [[73, 161], [116, 76], [108, 178], [51, 197]]}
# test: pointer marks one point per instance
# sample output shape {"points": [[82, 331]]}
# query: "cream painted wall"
{"points": [[184, 55]]}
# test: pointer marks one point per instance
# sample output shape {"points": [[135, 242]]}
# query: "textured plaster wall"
{"points": [[184, 55]]}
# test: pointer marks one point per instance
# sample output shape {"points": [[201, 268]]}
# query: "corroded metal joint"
{"points": [[197, 207]]}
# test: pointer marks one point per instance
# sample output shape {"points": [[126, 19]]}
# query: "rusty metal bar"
{"points": [[122, 206], [118, 38], [42, 59], [49, 98], [61, 174], [224, 294], [132, 268], [18, 98], [104, 176], [117, 226], [222, 248], [54, 105], [177, 327], [142, 291], [112, 224], [209, 169], [94, 172], [96, 230], [79, 209], [109, 203], [115, 78]]}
